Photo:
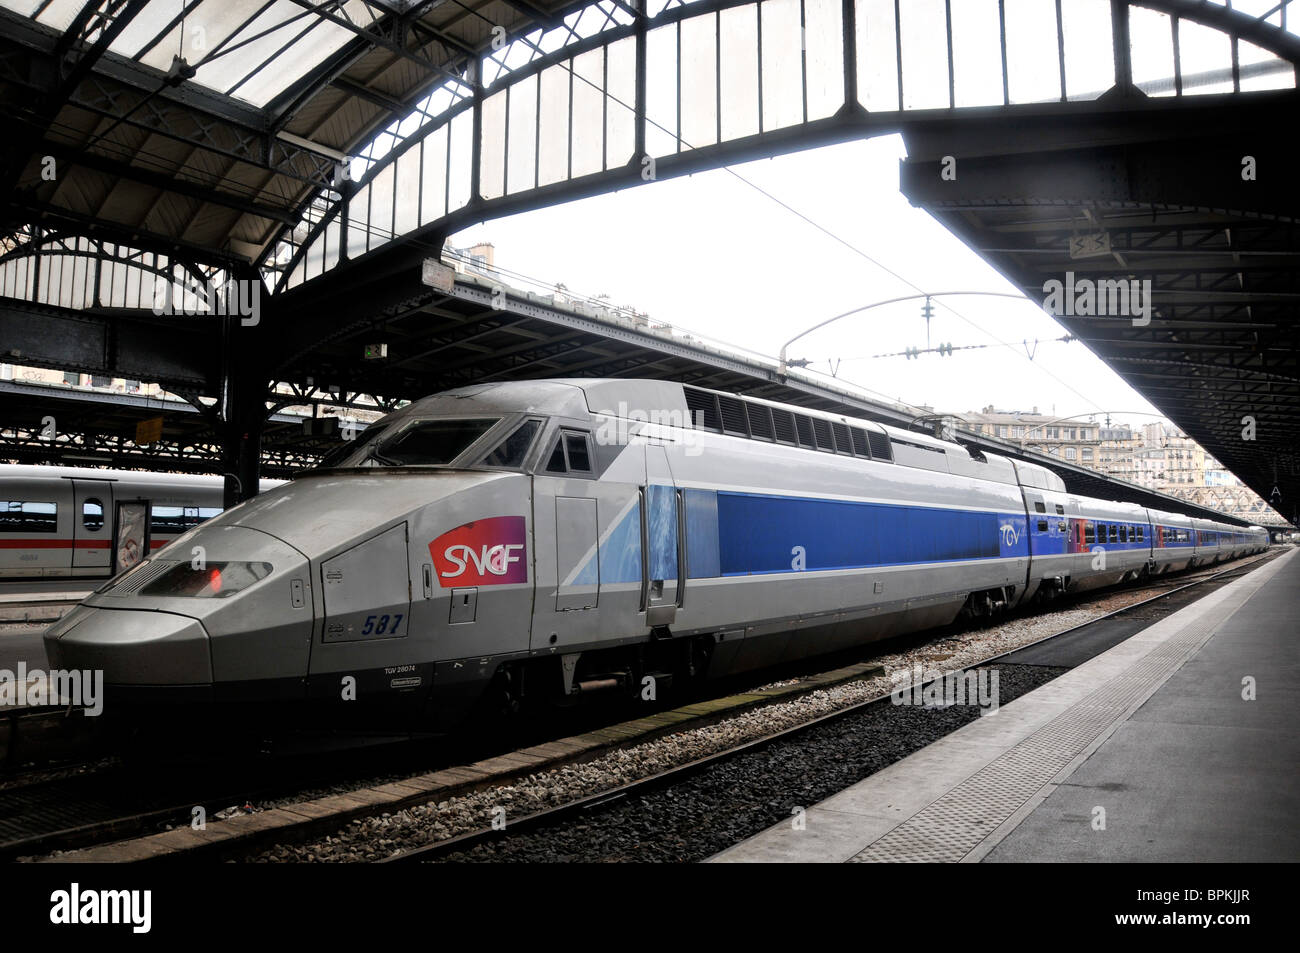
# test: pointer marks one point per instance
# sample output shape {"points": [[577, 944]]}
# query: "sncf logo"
{"points": [[487, 552]]}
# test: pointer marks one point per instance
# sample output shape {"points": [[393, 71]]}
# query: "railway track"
{"points": [[73, 812], [489, 842]]}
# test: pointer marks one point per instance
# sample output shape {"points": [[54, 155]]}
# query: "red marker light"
{"points": [[214, 579]]}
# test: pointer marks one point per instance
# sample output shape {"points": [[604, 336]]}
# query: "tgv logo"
{"points": [[487, 552], [494, 559]]}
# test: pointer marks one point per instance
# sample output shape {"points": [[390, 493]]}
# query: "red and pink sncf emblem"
{"points": [[489, 552]]}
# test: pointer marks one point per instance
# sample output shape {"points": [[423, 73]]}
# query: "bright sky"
{"points": [[711, 254]]}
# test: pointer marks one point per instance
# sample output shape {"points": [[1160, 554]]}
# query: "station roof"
{"points": [[203, 128], [1168, 202]]}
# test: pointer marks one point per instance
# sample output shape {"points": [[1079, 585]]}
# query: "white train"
{"points": [[551, 538], [86, 523]]}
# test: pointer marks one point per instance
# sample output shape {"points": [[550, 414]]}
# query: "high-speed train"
{"points": [[547, 539], [74, 522]]}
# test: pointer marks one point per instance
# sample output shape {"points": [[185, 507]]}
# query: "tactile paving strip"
{"points": [[955, 824]]}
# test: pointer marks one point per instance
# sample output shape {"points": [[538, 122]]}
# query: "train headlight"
{"points": [[216, 580]]}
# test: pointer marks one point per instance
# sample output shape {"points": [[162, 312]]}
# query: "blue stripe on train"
{"points": [[742, 533]]}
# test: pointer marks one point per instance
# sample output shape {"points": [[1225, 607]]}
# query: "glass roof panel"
{"points": [[308, 51], [208, 25], [251, 49]]}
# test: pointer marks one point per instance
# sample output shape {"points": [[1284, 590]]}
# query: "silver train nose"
{"points": [[132, 647]]}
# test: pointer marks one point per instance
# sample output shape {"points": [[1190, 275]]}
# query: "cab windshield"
{"points": [[429, 443], [438, 441]]}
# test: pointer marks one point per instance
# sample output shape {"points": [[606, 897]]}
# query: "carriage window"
{"points": [[1042, 526], [92, 515], [1039, 507], [1089, 535], [1060, 510], [1114, 533], [24, 516], [1123, 534]]}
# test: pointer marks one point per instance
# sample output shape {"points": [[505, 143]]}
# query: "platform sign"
{"points": [[437, 275], [1090, 246], [148, 431]]}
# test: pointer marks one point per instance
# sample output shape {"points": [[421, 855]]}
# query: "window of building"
{"points": [[1070, 453]]}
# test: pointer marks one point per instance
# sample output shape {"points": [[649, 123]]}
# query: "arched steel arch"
{"points": [[663, 89]]}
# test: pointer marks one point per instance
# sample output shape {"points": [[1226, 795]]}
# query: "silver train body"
{"points": [[555, 538]]}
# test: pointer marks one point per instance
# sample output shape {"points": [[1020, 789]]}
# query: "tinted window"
{"points": [[431, 442], [215, 580], [174, 520], [1114, 534], [92, 515], [337, 456], [1038, 507], [511, 451], [24, 516], [576, 444], [556, 463], [1089, 534]]}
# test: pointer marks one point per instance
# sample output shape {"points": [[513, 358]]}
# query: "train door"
{"points": [[566, 523], [663, 581], [130, 534], [576, 553], [92, 527], [366, 595]]}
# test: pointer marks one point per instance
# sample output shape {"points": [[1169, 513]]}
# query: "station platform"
{"points": [[1147, 752]]}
